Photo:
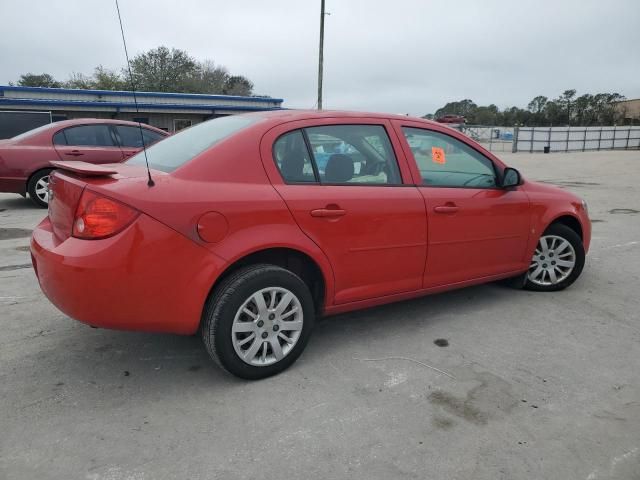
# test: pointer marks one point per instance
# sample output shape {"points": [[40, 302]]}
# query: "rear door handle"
{"points": [[446, 209], [74, 153], [328, 212]]}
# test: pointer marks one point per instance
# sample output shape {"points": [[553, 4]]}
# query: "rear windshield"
{"points": [[35, 131], [178, 149]]}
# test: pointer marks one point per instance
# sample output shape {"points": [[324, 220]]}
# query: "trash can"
{"points": [[547, 148]]}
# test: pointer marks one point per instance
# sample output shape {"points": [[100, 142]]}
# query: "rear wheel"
{"points": [[557, 261], [257, 321], [38, 188]]}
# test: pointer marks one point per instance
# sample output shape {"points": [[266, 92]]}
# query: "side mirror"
{"points": [[511, 178]]}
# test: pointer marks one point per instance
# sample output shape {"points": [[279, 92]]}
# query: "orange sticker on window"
{"points": [[437, 155]]}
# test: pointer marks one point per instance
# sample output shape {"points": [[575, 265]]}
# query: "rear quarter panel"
{"points": [[228, 179], [19, 162]]}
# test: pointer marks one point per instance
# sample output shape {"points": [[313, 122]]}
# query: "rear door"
{"points": [[131, 139], [476, 228], [352, 195], [94, 143]]}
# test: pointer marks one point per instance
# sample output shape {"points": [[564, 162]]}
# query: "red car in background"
{"points": [[25, 160], [451, 119], [254, 224]]}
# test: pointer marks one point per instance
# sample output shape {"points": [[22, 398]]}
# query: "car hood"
{"points": [[548, 190]]}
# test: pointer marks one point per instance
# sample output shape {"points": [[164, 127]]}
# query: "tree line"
{"points": [[567, 109], [158, 70]]}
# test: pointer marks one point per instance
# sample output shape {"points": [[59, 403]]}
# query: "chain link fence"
{"points": [[572, 139]]}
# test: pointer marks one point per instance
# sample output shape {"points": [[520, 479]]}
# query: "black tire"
{"points": [[574, 239], [228, 297], [516, 282], [31, 187]]}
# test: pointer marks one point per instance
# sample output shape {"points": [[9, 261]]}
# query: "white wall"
{"points": [[562, 139]]}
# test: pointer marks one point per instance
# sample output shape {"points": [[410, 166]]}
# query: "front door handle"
{"points": [[328, 212], [74, 153], [448, 208]]}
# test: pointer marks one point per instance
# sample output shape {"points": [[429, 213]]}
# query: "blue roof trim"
{"points": [[151, 106], [139, 94]]}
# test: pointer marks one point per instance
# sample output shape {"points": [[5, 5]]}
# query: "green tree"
{"points": [[106, 79], [237, 85], [41, 80], [605, 107], [552, 113], [583, 110], [102, 79], [160, 70], [464, 107], [79, 80], [208, 78], [564, 101], [485, 116], [163, 70], [536, 106]]}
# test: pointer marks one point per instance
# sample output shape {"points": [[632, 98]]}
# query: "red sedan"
{"points": [[451, 119], [255, 224], [25, 160]]}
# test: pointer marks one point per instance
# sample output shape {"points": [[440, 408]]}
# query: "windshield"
{"points": [[178, 149]]}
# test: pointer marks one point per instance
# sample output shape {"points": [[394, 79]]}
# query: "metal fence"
{"points": [[493, 138], [572, 139]]}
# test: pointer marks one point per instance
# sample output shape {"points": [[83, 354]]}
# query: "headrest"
{"points": [[339, 169]]}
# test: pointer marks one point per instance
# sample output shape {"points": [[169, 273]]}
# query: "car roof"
{"points": [[45, 132], [91, 121], [280, 116]]}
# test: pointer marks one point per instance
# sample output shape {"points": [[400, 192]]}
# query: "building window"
{"points": [[180, 124]]}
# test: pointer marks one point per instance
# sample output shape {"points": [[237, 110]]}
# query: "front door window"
{"points": [[444, 161]]}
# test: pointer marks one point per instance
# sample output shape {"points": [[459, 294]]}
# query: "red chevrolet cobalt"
{"points": [[255, 224]]}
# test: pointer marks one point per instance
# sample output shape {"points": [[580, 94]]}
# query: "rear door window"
{"points": [[85, 136], [292, 158], [353, 154]]}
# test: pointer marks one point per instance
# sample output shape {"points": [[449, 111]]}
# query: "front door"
{"points": [[92, 143], [345, 189], [476, 229]]}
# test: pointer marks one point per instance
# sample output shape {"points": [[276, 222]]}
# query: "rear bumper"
{"points": [[147, 278], [13, 185]]}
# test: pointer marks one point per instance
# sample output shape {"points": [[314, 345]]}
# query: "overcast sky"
{"points": [[401, 56]]}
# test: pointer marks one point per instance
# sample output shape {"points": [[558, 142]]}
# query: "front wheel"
{"points": [[557, 261], [257, 321], [38, 188]]}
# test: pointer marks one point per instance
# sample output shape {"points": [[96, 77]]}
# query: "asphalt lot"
{"points": [[547, 386]]}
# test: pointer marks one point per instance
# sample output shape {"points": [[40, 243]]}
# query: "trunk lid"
{"points": [[67, 183]]}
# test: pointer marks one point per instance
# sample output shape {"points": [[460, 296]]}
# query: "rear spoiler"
{"points": [[85, 169]]}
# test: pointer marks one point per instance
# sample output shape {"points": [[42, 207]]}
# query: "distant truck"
{"points": [[451, 119], [14, 123]]}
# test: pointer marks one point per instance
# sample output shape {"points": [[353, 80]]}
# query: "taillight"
{"points": [[101, 217]]}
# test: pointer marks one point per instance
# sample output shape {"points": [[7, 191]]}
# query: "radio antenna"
{"points": [[150, 182]]}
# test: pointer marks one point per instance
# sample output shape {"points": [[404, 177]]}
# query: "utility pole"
{"points": [[320, 55]]}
